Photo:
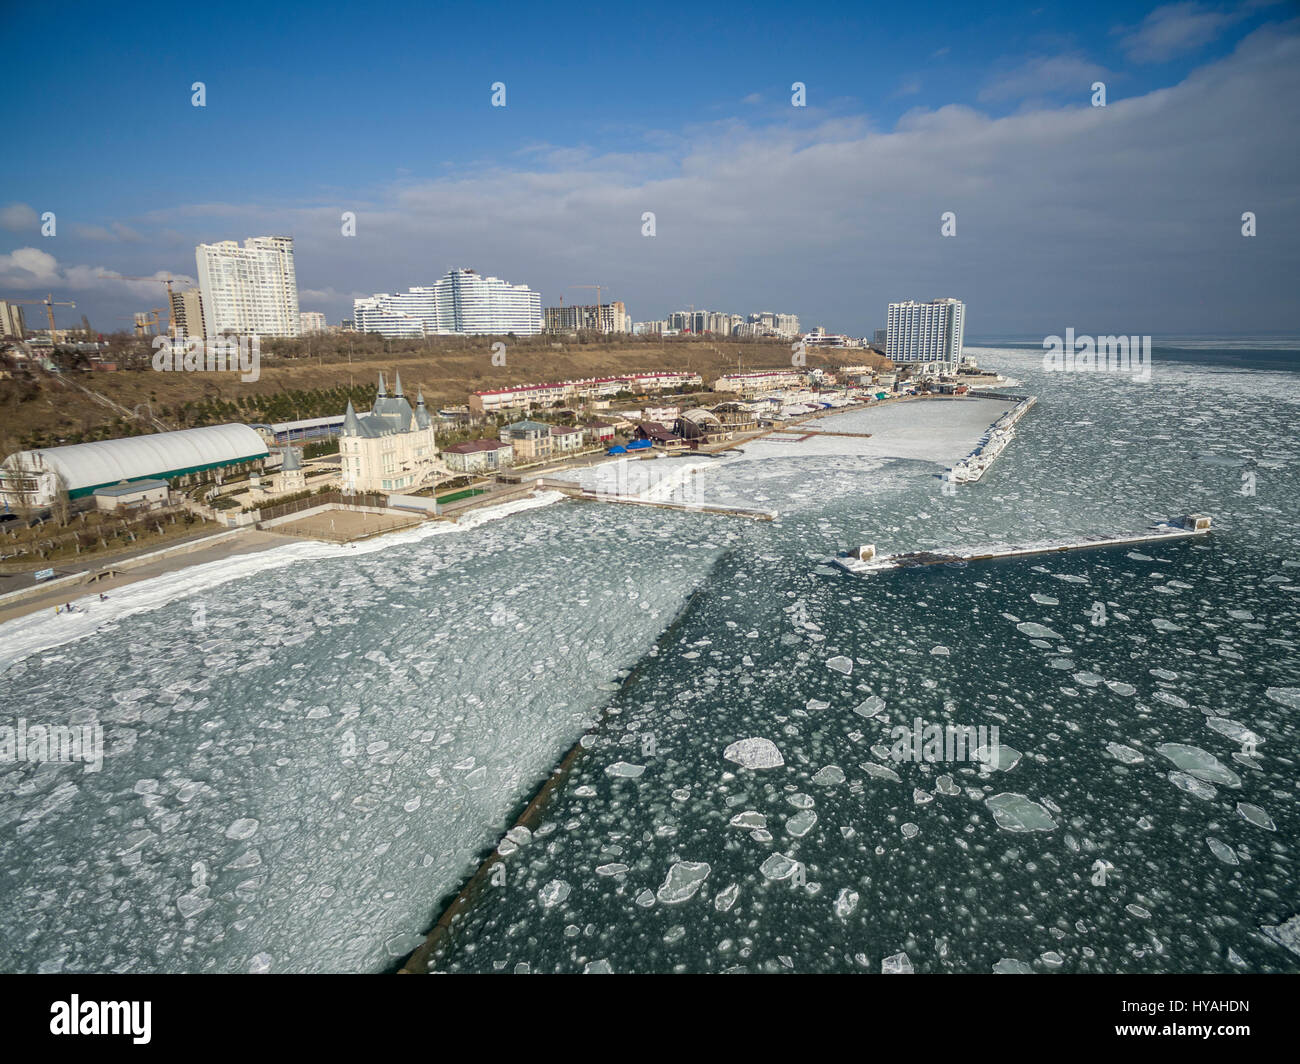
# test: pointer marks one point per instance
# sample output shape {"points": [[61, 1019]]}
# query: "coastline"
{"points": [[31, 626], [189, 569], [133, 570]]}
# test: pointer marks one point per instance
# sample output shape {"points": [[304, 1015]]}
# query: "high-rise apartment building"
{"points": [[11, 320], [787, 324], [312, 321], [612, 318], [461, 303], [187, 314], [918, 333], [249, 291]]}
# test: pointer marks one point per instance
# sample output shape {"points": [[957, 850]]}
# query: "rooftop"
{"points": [[131, 488], [474, 446], [528, 426]]}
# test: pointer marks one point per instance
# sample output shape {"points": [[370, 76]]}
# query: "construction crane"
{"points": [[168, 281], [600, 322], [145, 325], [49, 303]]}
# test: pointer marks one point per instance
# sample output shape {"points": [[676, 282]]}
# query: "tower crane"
{"points": [[49, 303], [168, 281]]}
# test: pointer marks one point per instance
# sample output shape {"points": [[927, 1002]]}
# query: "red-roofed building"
{"points": [[598, 431], [652, 431], [566, 438], [478, 456], [526, 396]]}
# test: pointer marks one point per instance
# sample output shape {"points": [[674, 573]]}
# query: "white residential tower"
{"points": [[461, 303], [249, 291], [920, 333]]}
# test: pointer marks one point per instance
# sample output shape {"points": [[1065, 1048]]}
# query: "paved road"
{"points": [[92, 563]]}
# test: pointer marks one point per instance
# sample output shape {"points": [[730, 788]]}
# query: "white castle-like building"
{"points": [[390, 448]]}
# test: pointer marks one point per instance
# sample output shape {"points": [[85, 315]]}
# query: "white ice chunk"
{"points": [[754, 753], [683, 880], [1015, 812], [898, 964]]}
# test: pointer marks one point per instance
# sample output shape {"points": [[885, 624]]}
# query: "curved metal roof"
{"points": [[700, 414], [92, 465]]}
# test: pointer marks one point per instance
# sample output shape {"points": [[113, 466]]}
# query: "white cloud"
{"points": [[1174, 29], [26, 267], [18, 216], [31, 268], [1096, 217], [116, 231], [1041, 76]]}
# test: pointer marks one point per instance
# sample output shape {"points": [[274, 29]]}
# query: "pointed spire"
{"points": [[422, 419], [290, 460], [419, 397], [383, 388], [351, 427], [397, 387]]}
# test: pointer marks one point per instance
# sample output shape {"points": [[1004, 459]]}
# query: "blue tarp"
{"points": [[638, 445], [617, 450]]}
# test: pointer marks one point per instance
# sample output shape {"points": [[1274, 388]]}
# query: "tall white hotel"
{"points": [[926, 332], [463, 302], [251, 290]]}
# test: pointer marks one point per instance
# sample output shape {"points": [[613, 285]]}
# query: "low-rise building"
{"points": [[566, 438], [133, 495], [758, 382], [666, 414], [527, 396], [598, 431], [36, 478], [652, 431], [478, 456], [700, 425], [291, 476], [531, 440], [738, 417]]}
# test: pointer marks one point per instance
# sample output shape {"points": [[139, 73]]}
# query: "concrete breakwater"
{"points": [[866, 560], [994, 442]]}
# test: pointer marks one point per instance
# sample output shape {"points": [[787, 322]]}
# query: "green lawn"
{"points": [[456, 496]]}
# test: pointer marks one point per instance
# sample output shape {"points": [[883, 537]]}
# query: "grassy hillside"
{"points": [[315, 377]]}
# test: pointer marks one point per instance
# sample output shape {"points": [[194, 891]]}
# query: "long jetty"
{"points": [[574, 491], [866, 560]]}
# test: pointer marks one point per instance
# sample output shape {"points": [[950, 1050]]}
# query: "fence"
{"points": [[327, 498]]}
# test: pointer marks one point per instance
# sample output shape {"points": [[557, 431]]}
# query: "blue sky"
{"points": [[828, 211]]}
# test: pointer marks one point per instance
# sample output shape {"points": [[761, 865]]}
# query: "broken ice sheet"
{"points": [[1015, 812]]}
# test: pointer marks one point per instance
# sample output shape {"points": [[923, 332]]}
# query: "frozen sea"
{"points": [[309, 755]]}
